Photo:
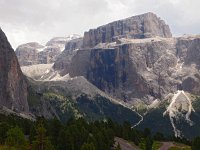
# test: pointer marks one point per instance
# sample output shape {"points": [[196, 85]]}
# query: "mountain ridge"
{"points": [[34, 53]]}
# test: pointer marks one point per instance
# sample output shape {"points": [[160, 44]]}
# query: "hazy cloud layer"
{"points": [[39, 20]]}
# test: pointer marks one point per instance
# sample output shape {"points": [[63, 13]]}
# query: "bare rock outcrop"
{"points": [[145, 69], [33, 53], [13, 84], [63, 62], [28, 53]]}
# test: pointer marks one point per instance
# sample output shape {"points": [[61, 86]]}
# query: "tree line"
{"points": [[76, 134]]}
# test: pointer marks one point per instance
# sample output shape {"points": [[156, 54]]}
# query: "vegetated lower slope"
{"points": [[65, 99]]}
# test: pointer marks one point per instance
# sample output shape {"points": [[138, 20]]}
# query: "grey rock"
{"points": [[63, 62], [141, 26], [28, 53], [147, 69], [33, 53]]}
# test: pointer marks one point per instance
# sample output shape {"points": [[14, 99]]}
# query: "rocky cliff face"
{"points": [[133, 62], [188, 49], [13, 85], [63, 61], [33, 53], [141, 26], [142, 63], [28, 53], [143, 69]]}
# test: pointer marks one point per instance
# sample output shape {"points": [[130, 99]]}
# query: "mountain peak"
{"points": [[34, 53], [62, 40]]}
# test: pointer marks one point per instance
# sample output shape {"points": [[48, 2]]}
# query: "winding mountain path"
{"points": [[138, 121]]}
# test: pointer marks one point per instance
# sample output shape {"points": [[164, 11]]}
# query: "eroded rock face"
{"points": [[63, 62], [120, 59], [141, 26], [28, 53], [145, 69], [188, 50], [134, 67], [13, 85], [33, 53]]}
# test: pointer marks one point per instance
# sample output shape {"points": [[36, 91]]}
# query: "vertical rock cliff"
{"points": [[134, 59], [141, 26], [13, 85]]}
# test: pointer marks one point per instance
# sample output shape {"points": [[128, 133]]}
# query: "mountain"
{"points": [[63, 97], [35, 53], [131, 69], [141, 71], [13, 84]]}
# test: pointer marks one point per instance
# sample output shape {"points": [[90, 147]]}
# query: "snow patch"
{"points": [[41, 49]]}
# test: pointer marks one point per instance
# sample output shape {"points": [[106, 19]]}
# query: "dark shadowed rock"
{"points": [[63, 62], [13, 85]]}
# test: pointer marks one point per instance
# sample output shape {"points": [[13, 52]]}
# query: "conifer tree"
{"points": [[16, 138], [41, 140]]}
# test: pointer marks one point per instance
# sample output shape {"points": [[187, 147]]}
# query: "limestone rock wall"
{"points": [[13, 84], [141, 26], [145, 69]]}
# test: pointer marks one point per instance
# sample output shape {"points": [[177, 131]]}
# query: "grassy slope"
{"points": [[66, 107]]}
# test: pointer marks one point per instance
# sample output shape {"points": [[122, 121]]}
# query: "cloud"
{"points": [[39, 20]]}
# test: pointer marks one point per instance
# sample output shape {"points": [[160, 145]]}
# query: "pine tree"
{"points": [[41, 140], [148, 143], [4, 127], [196, 143], [16, 138]]}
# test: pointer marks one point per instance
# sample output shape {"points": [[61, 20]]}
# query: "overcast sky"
{"points": [[40, 20]]}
